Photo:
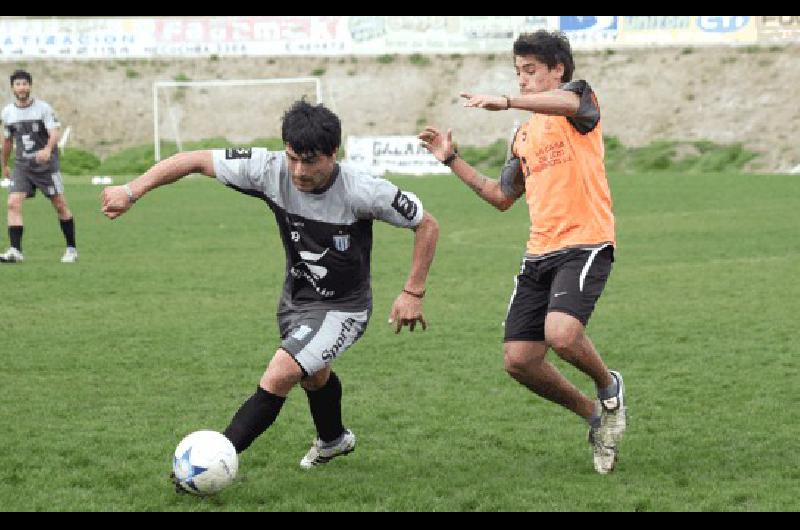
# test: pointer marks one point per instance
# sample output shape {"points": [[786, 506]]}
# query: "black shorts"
{"points": [[569, 283]]}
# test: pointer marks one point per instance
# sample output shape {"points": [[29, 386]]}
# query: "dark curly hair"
{"points": [[551, 48], [21, 74], [311, 129]]}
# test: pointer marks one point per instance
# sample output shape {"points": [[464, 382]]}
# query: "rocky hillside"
{"points": [[726, 95]]}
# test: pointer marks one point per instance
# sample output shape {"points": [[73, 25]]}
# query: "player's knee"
{"points": [[281, 374], [14, 203], [514, 363], [565, 341]]}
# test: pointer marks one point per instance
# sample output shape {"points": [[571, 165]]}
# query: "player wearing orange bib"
{"points": [[558, 165]]}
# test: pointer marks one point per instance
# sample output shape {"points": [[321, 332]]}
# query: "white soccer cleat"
{"points": [[70, 255], [605, 439], [320, 454], [12, 255]]}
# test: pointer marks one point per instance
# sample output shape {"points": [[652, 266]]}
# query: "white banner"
{"points": [[395, 154]]}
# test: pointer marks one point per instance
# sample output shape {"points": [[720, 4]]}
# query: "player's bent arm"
{"points": [[119, 199], [553, 102], [486, 188], [54, 136], [426, 235], [172, 169]]}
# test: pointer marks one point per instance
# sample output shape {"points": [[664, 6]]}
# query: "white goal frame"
{"points": [[219, 83]]}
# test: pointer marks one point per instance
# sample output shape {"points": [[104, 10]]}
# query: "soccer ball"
{"points": [[205, 462]]}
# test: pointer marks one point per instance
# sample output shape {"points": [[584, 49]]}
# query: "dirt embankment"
{"points": [[725, 95]]}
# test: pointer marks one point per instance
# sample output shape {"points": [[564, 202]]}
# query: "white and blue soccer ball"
{"points": [[205, 462]]}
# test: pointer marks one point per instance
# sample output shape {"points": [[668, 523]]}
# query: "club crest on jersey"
{"points": [[341, 242], [238, 152]]}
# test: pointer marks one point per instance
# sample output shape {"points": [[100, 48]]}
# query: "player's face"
{"points": [[533, 76], [21, 89], [310, 171]]}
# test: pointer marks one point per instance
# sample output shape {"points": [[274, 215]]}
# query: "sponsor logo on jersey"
{"points": [[238, 152], [341, 242], [404, 205]]}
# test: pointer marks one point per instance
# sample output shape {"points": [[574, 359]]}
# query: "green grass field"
{"points": [[166, 324]]}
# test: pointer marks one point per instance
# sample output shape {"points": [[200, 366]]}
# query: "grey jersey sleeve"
{"points": [[249, 170], [377, 198], [588, 115], [512, 181], [49, 117]]}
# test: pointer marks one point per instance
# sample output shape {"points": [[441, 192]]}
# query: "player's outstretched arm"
{"points": [[407, 307], [119, 199], [553, 102], [441, 146]]}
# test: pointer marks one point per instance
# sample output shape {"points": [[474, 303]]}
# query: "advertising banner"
{"points": [[100, 38], [686, 30], [779, 29], [590, 32], [395, 154]]}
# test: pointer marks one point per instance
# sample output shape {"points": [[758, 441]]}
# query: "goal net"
{"points": [[203, 114]]}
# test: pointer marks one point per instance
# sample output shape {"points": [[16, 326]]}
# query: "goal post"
{"points": [[158, 86]]}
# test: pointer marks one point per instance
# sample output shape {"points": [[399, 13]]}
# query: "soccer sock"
{"points": [[15, 237], [595, 419], [326, 409], [609, 391], [253, 418], [68, 227]]}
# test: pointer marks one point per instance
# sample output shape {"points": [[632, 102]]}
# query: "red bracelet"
{"points": [[414, 294]]}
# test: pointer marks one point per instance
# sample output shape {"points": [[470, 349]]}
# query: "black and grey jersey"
{"points": [[327, 234], [28, 126]]}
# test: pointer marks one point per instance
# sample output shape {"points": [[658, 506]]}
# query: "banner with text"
{"points": [[142, 37], [395, 154], [779, 29], [684, 30]]}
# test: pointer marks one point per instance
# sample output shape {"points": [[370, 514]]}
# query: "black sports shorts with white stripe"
{"points": [[569, 282]]}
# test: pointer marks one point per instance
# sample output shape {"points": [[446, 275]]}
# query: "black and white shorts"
{"points": [[26, 181], [570, 282], [316, 338]]}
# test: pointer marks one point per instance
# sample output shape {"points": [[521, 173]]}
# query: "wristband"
{"points": [[415, 295], [450, 159], [129, 191], [508, 102]]}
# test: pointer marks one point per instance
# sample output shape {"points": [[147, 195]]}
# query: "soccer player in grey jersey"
{"points": [[324, 213], [32, 124]]}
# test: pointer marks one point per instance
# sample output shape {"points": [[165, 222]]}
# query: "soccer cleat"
{"points": [[12, 255], [321, 454], [70, 255], [605, 438], [605, 456]]}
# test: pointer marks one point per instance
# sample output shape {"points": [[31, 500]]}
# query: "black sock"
{"points": [[68, 227], [15, 237], [326, 409], [253, 418]]}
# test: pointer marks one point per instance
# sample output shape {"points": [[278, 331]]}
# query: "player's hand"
{"points": [[482, 101], [6, 172], [407, 311], [439, 145], [43, 156], [115, 201]]}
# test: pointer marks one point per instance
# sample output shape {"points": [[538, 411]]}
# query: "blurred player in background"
{"points": [[33, 126], [324, 213], [558, 166]]}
